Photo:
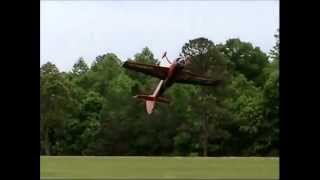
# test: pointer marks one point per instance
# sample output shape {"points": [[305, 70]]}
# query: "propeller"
{"points": [[164, 55]]}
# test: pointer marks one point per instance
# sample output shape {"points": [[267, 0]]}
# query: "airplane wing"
{"points": [[152, 70], [188, 77]]}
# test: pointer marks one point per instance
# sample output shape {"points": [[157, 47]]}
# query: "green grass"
{"points": [[76, 167]]}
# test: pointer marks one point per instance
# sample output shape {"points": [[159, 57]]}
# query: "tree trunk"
{"points": [[205, 135], [46, 142]]}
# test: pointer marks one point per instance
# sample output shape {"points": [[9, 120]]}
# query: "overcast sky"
{"points": [[71, 29]]}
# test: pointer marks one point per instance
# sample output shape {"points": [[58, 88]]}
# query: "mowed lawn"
{"points": [[105, 167]]}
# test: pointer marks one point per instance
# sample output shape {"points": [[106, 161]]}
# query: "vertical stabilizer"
{"points": [[151, 99]]}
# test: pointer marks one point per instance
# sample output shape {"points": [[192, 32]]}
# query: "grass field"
{"points": [[187, 168]]}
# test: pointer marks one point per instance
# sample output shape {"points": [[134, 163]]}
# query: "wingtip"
{"points": [[124, 64]]}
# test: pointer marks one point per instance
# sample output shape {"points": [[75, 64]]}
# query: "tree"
{"points": [[271, 98], [274, 53], [80, 67], [145, 57], [105, 68], [54, 98], [245, 59], [208, 103], [90, 120]]}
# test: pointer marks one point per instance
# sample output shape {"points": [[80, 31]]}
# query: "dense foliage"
{"points": [[90, 110]]}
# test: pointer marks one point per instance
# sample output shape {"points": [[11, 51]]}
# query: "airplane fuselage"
{"points": [[166, 83]]}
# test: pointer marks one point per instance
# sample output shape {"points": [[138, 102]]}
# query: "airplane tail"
{"points": [[151, 101], [150, 106]]}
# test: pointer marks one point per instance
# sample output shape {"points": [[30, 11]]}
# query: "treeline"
{"points": [[90, 110]]}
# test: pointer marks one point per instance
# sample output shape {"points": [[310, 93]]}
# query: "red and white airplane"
{"points": [[175, 73]]}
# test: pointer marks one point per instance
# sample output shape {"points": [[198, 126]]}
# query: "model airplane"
{"points": [[175, 73]]}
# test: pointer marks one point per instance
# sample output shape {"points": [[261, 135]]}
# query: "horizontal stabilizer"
{"points": [[152, 98], [163, 99], [145, 97], [151, 101]]}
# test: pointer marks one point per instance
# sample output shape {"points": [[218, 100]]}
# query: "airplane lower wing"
{"points": [[152, 70], [188, 77]]}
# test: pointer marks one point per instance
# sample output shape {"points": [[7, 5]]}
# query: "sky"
{"points": [[74, 29]]}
